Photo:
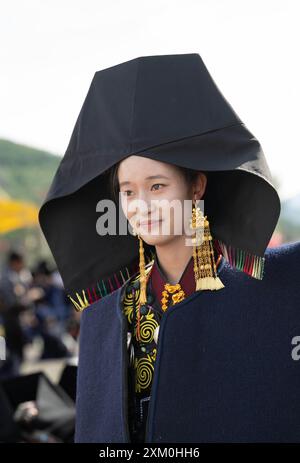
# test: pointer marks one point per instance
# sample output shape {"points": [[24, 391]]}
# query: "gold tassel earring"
{"points": [[203, 253], [143, 278]]}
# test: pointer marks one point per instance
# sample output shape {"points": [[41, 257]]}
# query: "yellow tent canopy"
{"points": [[17, 214]]}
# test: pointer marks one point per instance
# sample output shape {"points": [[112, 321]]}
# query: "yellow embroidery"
{"points": [[144, 364], [144, 371], [148, 326]]}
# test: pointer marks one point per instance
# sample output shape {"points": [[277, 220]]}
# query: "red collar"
{"points": [[187, 280]]}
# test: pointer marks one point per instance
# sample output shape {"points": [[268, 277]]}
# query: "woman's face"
{"points": [[155, 191]]}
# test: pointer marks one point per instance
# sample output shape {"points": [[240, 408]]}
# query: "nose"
{"points": [[145, 207]]}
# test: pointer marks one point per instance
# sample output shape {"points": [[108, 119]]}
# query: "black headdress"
{"points": [[167, 108]]}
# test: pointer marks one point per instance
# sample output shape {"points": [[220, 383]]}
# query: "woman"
{"points": [[179, 184], [207, 325]]}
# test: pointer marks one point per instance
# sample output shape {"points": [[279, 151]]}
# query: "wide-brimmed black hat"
{"points": [[167, 108]]}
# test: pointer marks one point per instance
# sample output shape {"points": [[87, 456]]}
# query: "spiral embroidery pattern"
{"points": [[148, 327], [144, 351], [144, 368]]}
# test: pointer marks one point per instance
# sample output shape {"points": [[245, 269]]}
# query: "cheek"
{"points": [[176, 198], [181, 219], [130, 210], [125, 204], [174, 217], [123, 207]]}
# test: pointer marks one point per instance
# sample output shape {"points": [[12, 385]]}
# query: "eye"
{"points": [[155, 184], [126, 191]]}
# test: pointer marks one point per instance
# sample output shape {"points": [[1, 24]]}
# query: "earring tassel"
{"points": [[205, 269], [143, 286], [209, 283]]}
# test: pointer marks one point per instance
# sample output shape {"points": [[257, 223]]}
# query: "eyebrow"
{"points": [[147, 178]]}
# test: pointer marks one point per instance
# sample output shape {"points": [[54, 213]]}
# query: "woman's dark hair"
{"points": [[189, 174]]}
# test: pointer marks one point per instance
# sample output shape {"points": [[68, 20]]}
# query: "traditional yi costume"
{"points": [[209, 359]]}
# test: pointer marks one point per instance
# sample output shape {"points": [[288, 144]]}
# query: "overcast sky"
{"points": [[50, 51]]}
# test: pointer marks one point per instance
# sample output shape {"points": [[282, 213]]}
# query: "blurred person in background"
{"points": [[54, 318], [15, 282]]}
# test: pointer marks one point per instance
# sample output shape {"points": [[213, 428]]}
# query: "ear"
{"points": [[199, 186]]}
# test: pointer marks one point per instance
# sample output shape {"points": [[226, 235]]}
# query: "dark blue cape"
{"points": [[235, 377]]}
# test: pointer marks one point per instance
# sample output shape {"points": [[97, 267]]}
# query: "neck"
{"points": [[173, 258]]}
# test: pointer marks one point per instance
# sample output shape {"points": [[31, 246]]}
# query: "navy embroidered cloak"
{"points": [[235, 377]]}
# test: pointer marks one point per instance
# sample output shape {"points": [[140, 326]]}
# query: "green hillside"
{"points": [[25, 172]]}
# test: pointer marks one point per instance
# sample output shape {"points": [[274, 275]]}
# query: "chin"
{"points": [[155, 240]]}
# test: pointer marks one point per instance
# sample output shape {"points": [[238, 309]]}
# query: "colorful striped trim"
{"points": [[237, 258], [241, 260], [102, 288]]}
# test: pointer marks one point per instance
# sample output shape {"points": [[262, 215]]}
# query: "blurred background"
{"points": [[49, 54]]}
